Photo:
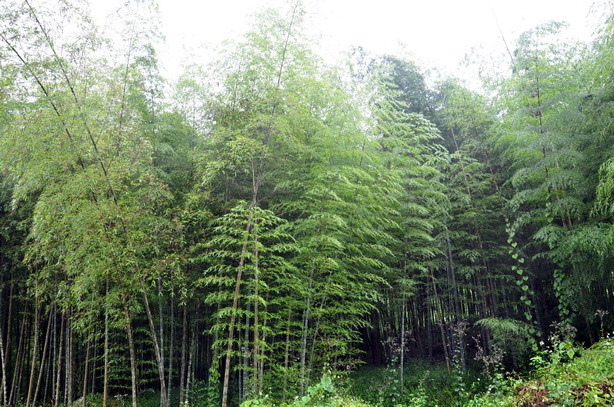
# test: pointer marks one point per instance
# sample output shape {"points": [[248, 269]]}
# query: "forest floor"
{"points": [[563, 375]]}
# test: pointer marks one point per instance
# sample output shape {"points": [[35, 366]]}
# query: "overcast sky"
{"points": [[436, 33]]}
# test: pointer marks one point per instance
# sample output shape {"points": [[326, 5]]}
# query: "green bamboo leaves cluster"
{"points": [[556, 166]]}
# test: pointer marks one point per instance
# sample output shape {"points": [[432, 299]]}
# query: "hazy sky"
{"points": [[433, 32]]}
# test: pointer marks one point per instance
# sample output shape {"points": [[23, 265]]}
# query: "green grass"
{"points": [[563, 376], [422, 380]]}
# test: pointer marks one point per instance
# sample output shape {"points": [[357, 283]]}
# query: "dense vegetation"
{"points": [[268, 223]]}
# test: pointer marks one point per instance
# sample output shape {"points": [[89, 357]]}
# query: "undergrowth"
{"points": [[562, 375]]}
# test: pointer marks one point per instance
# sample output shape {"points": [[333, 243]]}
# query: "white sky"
{"points": [[436, 33]]}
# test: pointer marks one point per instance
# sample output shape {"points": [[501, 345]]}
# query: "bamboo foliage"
{"points": [[280, 218]]}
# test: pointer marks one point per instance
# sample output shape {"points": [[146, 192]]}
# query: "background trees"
{"points": [[277, 218]]}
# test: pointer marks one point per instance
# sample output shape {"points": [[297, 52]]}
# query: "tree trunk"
{"points": [[105, 378], [58, 376], [444, 343], [2, 362], [402, 344], [316, 331], [306, 316], [191, 359], [184, 335], [244, 374], [287, 354], [256, 349], [85, 374], [157, 350], [68, 361], [2, 358], [42, 362], [19, 362], [452, 277], [132, 357], [163, 397], [170, 351], [5, 349], [94, 369], [263, 347], [235, 305], [34, 353]]}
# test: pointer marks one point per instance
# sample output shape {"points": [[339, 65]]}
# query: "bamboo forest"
{"points": [[273, 229]]}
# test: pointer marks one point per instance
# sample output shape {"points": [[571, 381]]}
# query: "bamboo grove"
{"points": [[269, 218]]}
